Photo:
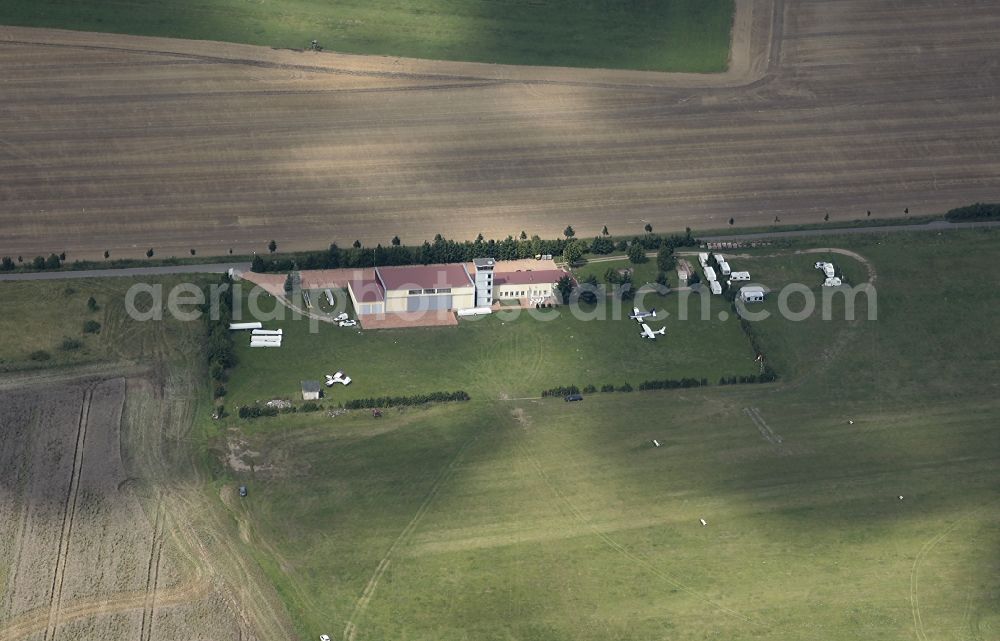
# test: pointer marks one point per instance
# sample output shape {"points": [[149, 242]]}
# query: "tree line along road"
{"points": [[221, 268]]}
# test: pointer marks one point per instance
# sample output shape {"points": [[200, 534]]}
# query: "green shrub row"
{"points": [[256, 411], [744, 380], [767, 373], [978, 211], [221, 354], [394, 401], [443, 250], [39, 263], [660, 384]]}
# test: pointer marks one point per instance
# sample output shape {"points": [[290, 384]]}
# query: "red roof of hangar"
{"points": [[367, 290], [424, 276]]}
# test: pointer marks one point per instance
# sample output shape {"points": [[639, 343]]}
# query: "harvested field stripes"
{"points": [[16, 458], [861, 109], [69, 512]]}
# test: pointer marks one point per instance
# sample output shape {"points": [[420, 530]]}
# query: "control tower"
{"points": [[484, 281]]}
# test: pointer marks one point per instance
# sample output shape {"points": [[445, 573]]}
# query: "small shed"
{"points": [[310, 390]]}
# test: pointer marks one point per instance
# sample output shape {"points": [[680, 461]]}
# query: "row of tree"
{"points": [[394, 401], [40, 263], [767, 373], [660, 384], [256, 411], [978, 211], [443, 250], [220, 350]]}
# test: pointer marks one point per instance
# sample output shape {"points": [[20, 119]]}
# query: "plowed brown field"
{"points": [[126, 143], [80, 557]]}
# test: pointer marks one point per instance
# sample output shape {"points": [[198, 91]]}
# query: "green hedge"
{"points": [[978, 211], [394, 401]]}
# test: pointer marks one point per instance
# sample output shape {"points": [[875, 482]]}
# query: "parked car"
{"points": [[341, 317], [243, 490], [574, 397], [348, 323], [324, 637]]}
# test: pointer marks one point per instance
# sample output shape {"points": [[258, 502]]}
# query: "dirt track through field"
{"points": [[81, 557], [126, 143], [58, 577]]}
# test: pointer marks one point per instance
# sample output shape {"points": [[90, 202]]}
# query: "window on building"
{"points": [[444, 290], [429, 291], [414, 292]]}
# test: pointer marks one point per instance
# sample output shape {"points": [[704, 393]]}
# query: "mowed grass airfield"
{"points": [[540, 519], [508, 354]]}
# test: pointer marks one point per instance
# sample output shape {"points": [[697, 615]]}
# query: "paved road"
{"points": [[218, 268], [211, 268]]}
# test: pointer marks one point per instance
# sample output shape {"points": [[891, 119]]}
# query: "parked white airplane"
{"points": [[647, 331], [639, 315]]}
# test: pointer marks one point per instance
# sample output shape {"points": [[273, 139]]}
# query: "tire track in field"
{"points": [[24, 517], [618, 547], [925, 549], [152, 575], [351, 629], [765, 430], [35, 621], [69, 513]]}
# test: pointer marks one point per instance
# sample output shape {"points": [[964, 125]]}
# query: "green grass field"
{"points": [[58, 310], [642, 273], [497, 356], [663, 35], [540, 520], [545, 520]]}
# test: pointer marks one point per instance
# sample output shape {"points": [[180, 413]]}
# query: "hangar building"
{"points": [[452, 286]]}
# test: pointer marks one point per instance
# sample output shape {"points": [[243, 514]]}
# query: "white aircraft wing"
{"points": [[647, 331]]}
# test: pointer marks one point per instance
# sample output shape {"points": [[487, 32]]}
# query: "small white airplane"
{"points": [[638, 315], [647, 331], [338, 377]]}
